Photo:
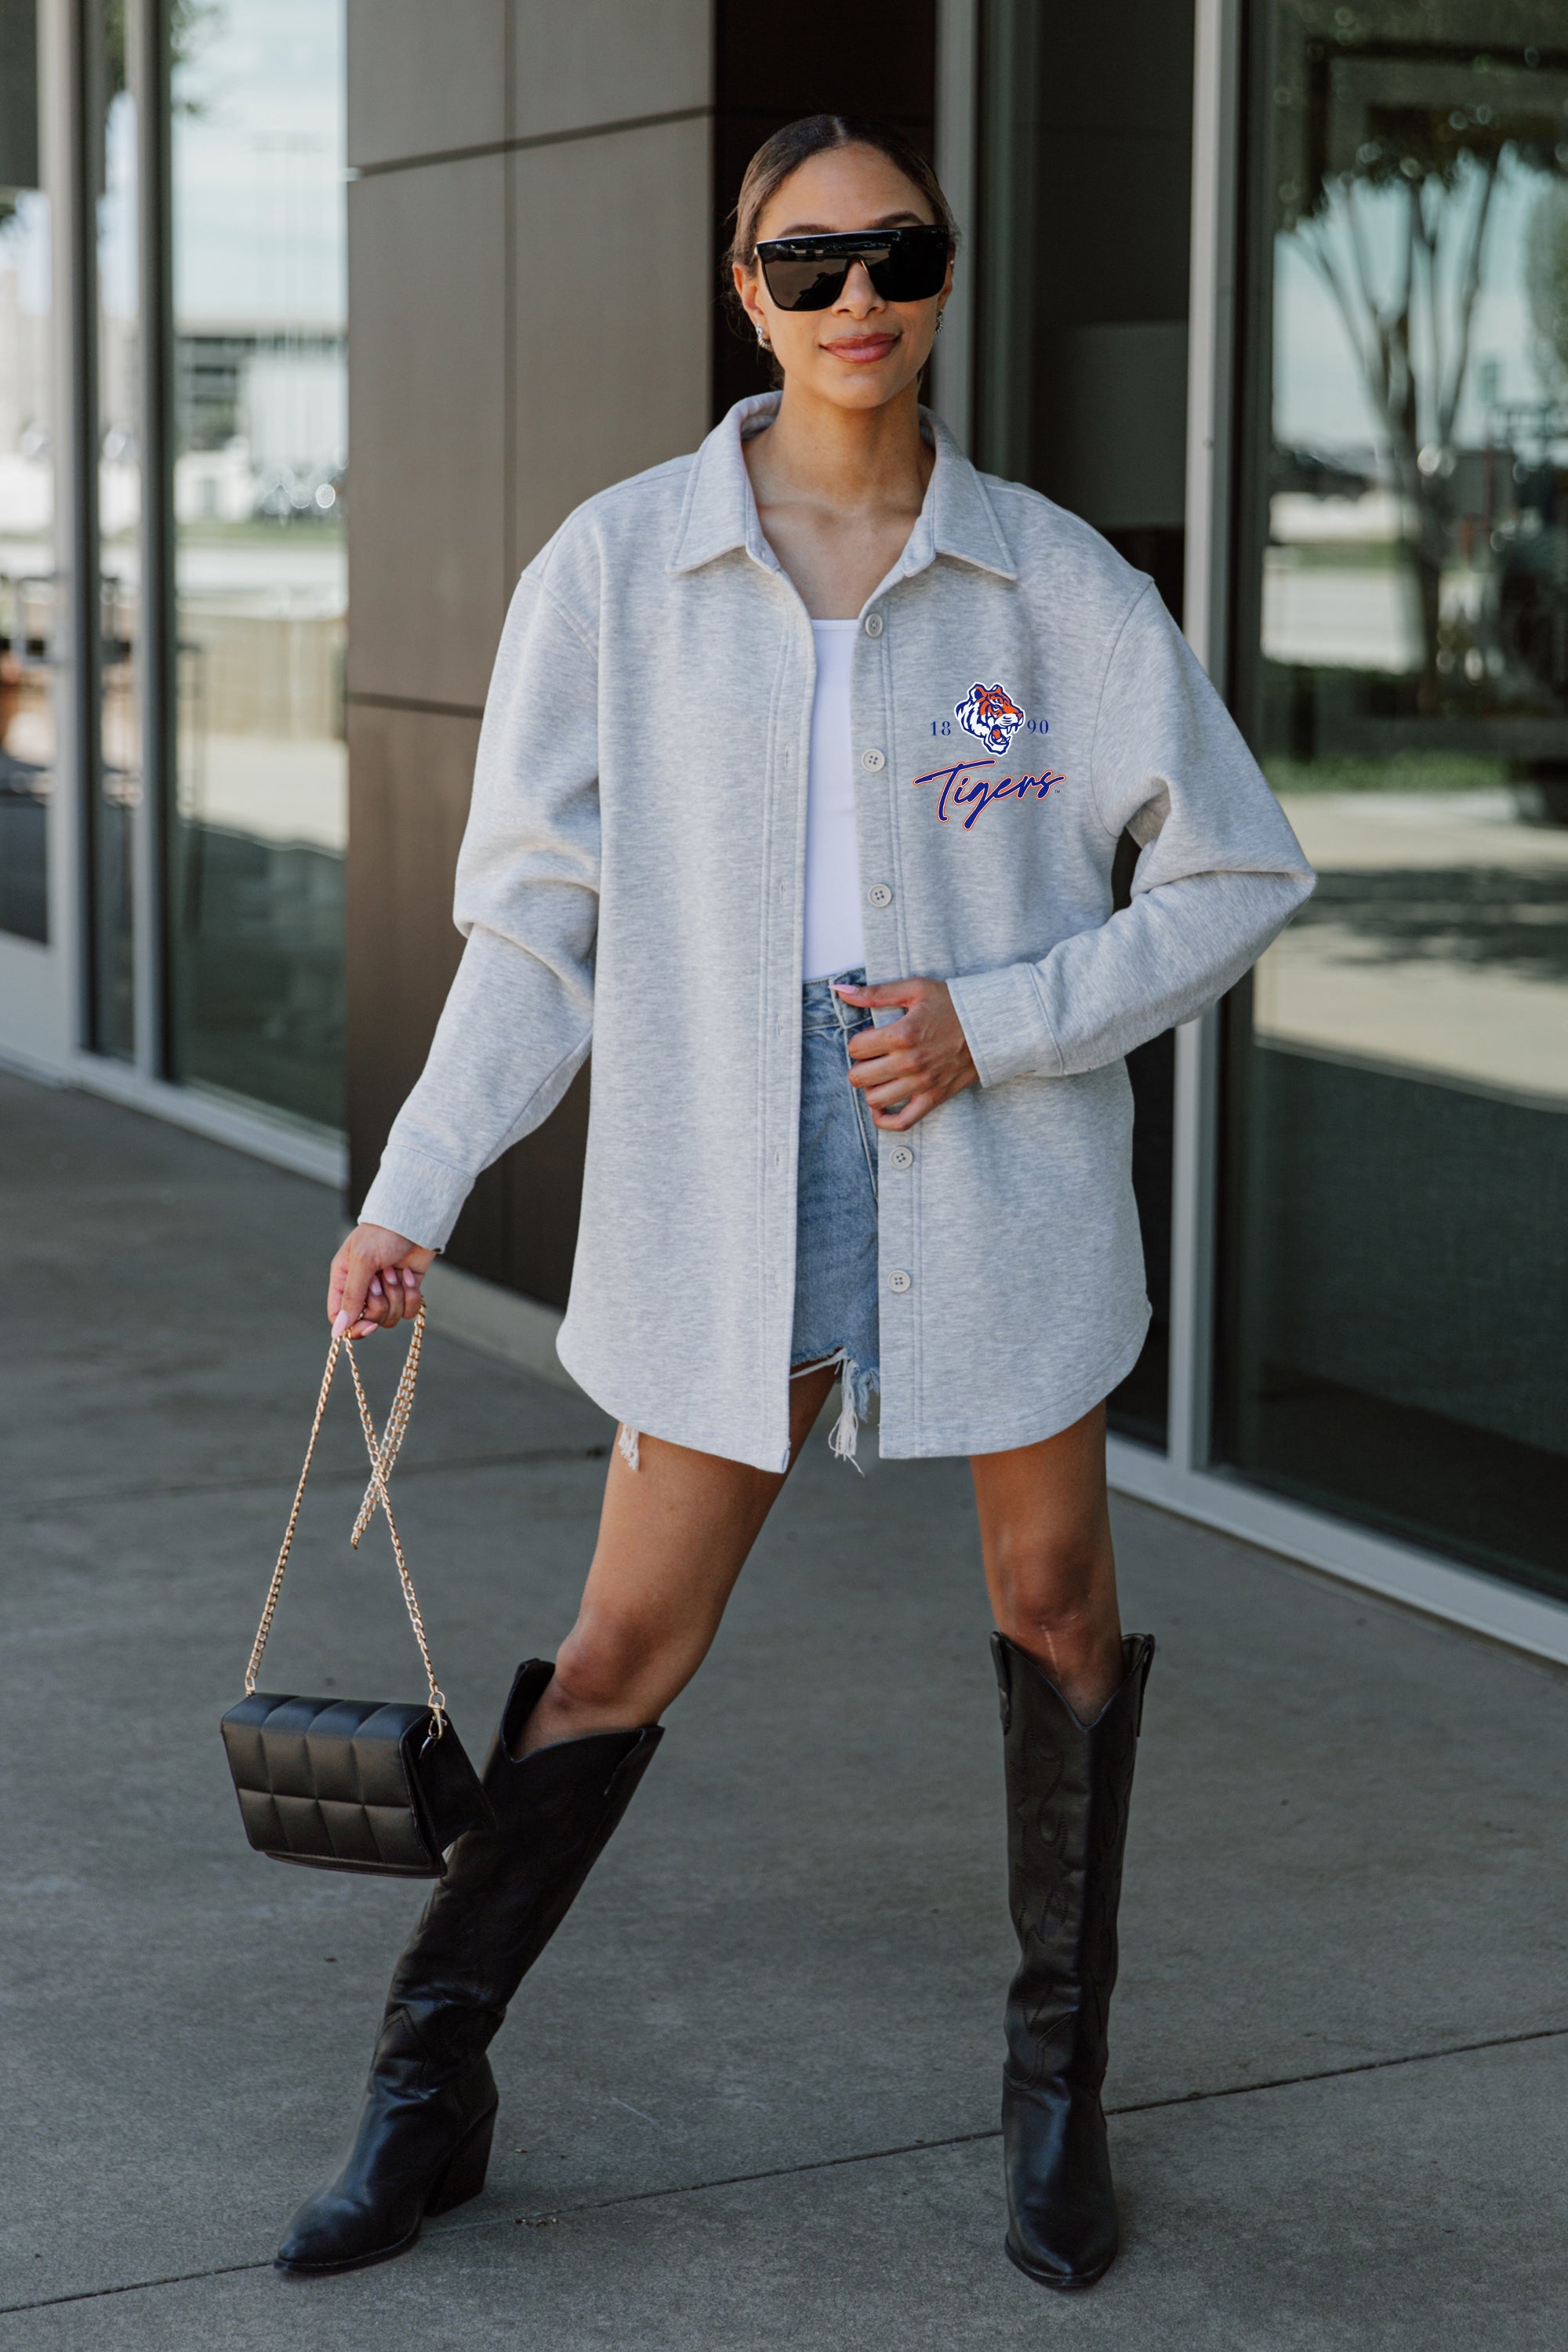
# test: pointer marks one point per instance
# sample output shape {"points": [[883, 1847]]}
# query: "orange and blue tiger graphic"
{"points": [[990, 714]]}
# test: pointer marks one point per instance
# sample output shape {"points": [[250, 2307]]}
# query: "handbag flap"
{"points": [[446, 1789]]}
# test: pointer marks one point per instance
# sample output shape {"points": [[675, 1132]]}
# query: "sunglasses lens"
{"points": [[806, 285], [914, 267]]}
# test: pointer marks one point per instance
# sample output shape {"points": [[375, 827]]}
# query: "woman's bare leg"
{"points": [[1044, 1534], [674, 1535]]}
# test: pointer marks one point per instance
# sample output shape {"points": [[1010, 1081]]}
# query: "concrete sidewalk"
{"points": [[750, 2094]]}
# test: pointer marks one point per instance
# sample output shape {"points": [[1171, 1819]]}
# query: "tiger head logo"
{"points": [[990, 714]]}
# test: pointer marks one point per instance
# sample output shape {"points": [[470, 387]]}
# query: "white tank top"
{"points": [[835, 933]]}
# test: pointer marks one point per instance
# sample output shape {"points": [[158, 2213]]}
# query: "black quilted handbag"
{"points": [[354, 1784]]}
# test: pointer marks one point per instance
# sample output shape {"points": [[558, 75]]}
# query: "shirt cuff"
{"points": [[417, 1197], [1004, 1023]]}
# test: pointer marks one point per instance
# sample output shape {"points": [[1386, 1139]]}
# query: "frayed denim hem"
{"points": [[858, 1384]]}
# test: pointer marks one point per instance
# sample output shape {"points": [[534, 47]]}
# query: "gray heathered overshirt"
{"points": [[632, 876]]}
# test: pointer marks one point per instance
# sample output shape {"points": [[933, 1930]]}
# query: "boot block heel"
{"points": [[465, 2174]]}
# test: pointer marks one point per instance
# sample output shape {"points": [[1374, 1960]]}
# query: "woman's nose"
{"points": [[860, 294]]}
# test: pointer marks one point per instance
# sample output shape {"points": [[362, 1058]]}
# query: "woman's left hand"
{"points": [[908, 1067]]}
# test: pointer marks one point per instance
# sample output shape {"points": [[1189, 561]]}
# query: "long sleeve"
{"points": [[1219, 874], [518, 1020]]}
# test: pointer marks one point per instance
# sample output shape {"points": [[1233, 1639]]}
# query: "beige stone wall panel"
{"points": [[614, 311], [425, 79], [410, 775], [595, 62], [427, 562]]}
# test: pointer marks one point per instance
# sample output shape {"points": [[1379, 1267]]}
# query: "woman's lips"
{"points": [[859, 350]]}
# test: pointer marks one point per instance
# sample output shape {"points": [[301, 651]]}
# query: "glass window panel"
{"points": [[27, 741], [112, 156], [1081, 262], [261, 448], [1397, 1075]]}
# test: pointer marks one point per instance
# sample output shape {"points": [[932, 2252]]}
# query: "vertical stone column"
{"points": [[529, 319]]}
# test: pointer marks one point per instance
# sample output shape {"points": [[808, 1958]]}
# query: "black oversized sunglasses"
{"points": [[808, 273]]}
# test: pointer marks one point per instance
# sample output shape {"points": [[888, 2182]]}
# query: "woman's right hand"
{"points": [[375, 1281]]}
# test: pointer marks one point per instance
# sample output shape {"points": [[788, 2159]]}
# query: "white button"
{"points": [[879, 894], [903, 1157], [899, 1280], [874, 760], [873, 625]]}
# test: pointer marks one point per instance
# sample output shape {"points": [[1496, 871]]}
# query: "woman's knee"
{"points": [[1054, 1589], [609, 1662]]}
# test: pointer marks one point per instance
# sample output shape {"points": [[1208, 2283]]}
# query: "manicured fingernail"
{"points": [[375, 1286], [339, 1325], [410, 1279]]}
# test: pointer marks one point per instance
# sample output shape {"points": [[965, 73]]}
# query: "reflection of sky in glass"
{"points": [[258, 133], [1319, 402], [116, 213]]}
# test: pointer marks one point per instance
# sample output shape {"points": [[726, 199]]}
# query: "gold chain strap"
{"points": [[396, 1424], [382, 1458]]}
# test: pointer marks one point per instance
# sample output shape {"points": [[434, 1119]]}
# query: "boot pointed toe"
{"points": [[330, 2232]]}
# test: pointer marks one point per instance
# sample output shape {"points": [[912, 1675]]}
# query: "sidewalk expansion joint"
{"points": [[546, 2214], [538, 1458]]}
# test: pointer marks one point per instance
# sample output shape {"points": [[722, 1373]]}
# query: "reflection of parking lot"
{"points": [[1438, 940]]}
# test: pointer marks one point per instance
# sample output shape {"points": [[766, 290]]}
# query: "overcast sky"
{"points": [[258, 170]]}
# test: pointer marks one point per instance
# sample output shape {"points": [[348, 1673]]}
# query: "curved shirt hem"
{"points": [[660, 1422], [1047, 1420]]}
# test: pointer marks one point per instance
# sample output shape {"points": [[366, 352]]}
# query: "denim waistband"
{"points": [[821, 1009]]}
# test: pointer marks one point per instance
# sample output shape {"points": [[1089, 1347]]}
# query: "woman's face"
{"points": [[863, 351]]}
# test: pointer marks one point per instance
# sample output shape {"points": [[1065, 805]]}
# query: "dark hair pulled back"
{"points": [[796, 144]]}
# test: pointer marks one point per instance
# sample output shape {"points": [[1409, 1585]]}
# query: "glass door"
{"points": [[1082, 266], [260, 421], [115, 756], [29, 621], [1396, 1213]]}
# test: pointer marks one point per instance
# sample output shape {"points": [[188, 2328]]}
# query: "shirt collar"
{"points": [[720, 513]]}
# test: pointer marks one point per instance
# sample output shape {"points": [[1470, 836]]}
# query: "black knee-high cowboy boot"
{"points": [[1068, 1788], [422, 2139]]}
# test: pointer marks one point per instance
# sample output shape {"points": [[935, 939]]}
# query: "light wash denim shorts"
{"points": [[835, 1292]]}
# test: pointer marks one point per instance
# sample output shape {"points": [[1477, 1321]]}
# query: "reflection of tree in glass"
{"points": [[190, 22], [1411, 106], [1546, 281]]}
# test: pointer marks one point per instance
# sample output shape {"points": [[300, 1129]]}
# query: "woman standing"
{"points": [[820, 719]]}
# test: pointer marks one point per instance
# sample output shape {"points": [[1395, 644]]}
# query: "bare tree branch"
{"points": [[1471, 286]]}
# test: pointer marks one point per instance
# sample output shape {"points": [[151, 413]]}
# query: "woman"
{"points": [[820, 713]]}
